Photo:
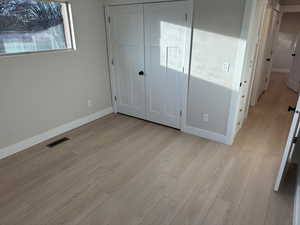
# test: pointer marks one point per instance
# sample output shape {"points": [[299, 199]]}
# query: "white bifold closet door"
{"points": [[127, 41], [165, 42], [148, 47]]}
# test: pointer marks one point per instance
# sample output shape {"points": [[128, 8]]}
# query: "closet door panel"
{"points": [[165, 39], [128, 55]]}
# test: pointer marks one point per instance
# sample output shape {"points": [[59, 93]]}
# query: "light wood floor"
{"points": [[124, 171]]}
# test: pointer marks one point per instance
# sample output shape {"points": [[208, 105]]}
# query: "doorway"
{"points": [[287, 49], [262, 75], [276, 84], [279, 52]]}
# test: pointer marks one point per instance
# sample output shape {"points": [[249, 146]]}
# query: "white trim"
{"points": [[293, 85], [233, 117], [71, 26], [296, 216], [110, 59], [129, 2], [259, 19], [278, 70], [290, 8], [235, 97], [251, 57], [25, 144], [206, 134], [240, 70], [188, 56], [263, 41]]}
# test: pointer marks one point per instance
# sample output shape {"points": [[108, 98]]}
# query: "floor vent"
{"points": [[57, 142]]}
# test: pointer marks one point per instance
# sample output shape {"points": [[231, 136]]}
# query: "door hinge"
{"points": [[241, 84], [112, 62], [180, 113], [186, 17], [115, 98], [295, 139], [108, 19]]}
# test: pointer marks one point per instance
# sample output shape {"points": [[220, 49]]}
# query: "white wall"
{"points": [[217, 31], [287, 36], [42, 91]]}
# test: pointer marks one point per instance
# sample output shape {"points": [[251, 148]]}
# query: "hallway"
{"points": [[264, 136], [277, 98], [124, 171], [270, 116]]}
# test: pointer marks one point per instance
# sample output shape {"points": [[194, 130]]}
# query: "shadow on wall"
{"points": [[216, 38]]}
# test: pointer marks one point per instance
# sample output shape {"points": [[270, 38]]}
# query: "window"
{"points": [[28, 26]]}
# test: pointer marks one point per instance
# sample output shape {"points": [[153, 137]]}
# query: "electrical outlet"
{"points": [[90, 103], [226, 67], [205, 117]]}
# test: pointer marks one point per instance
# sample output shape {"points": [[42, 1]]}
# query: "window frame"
{"points": [[70, 27]]}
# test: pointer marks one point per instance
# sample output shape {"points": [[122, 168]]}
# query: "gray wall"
{"points": [[215, 42], [42, 91], [289, 30]]}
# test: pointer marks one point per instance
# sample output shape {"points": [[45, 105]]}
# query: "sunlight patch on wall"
{"points": [[172, 36], [213, 58]]}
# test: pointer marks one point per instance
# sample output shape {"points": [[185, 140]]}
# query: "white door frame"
{"points": [[255, 57], [261, 60], [251, 99], [275, 31], [187, 60]]}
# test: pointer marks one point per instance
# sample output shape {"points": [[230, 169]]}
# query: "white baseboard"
{"points": [[293, 85], [296, 216], [12, 149], [277, 70], [206, 134]]}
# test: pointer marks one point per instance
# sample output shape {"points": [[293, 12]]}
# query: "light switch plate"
{"points": [[226, 67], [205, 117], [90, 103]]}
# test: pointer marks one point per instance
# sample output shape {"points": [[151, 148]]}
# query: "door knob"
{"points": [[294, 54], [268, 59], [141, 73]]}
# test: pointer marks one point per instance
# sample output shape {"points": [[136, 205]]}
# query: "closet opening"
{"points": [[149, 51]]}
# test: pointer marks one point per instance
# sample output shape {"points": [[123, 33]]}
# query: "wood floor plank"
{"points": [[119, 170], [279, 209], [218, 212]]}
